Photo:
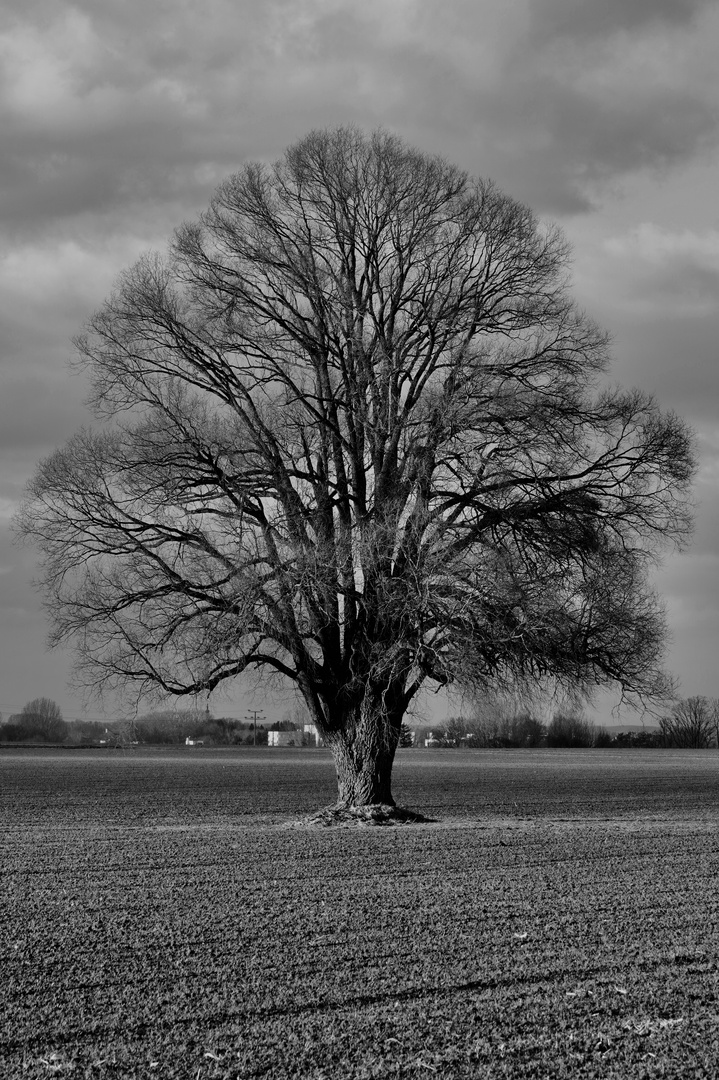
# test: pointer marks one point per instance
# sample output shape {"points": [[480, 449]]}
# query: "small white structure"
{"points": [[194, 742], [313, 736], [284, 738]]}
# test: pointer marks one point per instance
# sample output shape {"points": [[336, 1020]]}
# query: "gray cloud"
{"points": [[585, 143], [42, 409], [110, 108], [658, 290], [609, 138], [690, 584], [595, 92], [587, 18]]}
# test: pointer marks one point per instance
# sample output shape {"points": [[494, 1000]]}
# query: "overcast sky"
{"points": [[119, 119]]}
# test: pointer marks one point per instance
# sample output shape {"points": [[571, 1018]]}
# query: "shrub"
{"points": [[565, 729], [638, 739], [405, 736], [170, 726], [500, 730], [526, 730], [11, 732], [691, 724], [259, 737]]}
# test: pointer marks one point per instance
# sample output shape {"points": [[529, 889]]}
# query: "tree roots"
{"points": [[349, 816]]}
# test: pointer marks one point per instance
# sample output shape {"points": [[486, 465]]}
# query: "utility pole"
{"points": [[254, 713]]}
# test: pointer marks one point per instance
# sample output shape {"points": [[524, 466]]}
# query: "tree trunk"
{"points": [[363, 747]]}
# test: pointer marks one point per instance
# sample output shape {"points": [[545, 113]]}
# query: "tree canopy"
{"points": [[693, 723], [40, 718], [362, 440]]}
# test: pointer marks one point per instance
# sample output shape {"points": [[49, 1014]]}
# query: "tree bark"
{"points": [[363, 747]]}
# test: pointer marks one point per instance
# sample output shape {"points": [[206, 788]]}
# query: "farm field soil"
{"points": [[559, 919]]}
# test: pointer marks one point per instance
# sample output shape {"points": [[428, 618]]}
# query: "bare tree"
{"points": [[714, 712], [499, 726], [691, 724], [42, 717], [569, 729], [361, 442]]}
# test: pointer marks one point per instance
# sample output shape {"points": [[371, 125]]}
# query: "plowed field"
{"points": [[160, 918]]}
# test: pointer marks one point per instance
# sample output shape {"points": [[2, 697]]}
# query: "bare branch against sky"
{"points": [[119, 121]]}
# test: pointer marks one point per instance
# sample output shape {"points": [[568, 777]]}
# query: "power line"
{"points": [[254, 713]]}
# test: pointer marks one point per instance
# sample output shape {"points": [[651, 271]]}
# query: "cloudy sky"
{"points": [[118, 120]]}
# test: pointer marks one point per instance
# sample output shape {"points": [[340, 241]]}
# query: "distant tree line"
{"points": [[693, 723], [174, 726], [38, 721], [41, 722]]}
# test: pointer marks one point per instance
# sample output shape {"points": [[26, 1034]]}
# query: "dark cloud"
{"points": [[606, 138], [38, 411], [590, 141], [584, 112], [675, 358], [590, 18], [690, 584], [585, 144], [110, 107]]}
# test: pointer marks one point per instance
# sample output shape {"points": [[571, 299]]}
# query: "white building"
{"points": [[284, 738], [313, 736]]}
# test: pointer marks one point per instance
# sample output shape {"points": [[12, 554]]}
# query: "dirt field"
{"points": [[163, 919]]}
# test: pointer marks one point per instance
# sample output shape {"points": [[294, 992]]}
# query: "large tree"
{"points": [[42, 718], [692, 723], [360, 439]]}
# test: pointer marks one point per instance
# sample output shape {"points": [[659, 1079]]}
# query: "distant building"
{"points": [[194, 742], [312, 736], [284, 738]]}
